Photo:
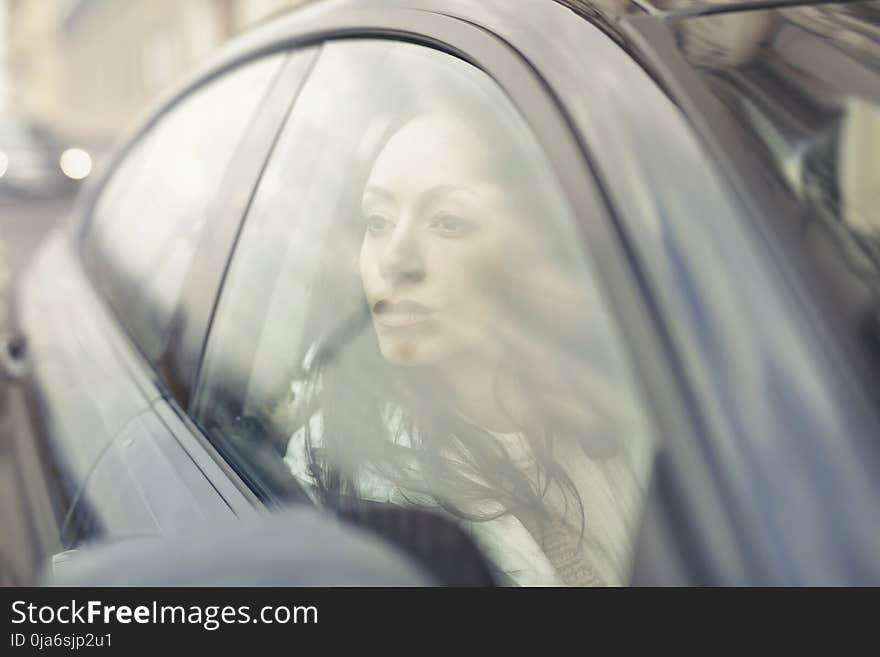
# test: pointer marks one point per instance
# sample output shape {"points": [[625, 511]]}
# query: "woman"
{"points": [[466, 381]]}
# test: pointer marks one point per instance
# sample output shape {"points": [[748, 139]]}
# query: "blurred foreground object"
{"points": [[299, 547]]}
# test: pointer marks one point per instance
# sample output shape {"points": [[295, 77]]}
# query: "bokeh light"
{"points": [[76, 163]]}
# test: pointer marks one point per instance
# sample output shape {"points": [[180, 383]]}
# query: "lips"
{"points": [[400, 314]]}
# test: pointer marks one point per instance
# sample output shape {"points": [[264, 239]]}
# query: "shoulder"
{"points": [[296, 456], [371, 484]]}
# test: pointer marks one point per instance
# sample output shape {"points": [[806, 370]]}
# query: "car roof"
{"points": [[682, 8], [605, 14], [592, 8]]}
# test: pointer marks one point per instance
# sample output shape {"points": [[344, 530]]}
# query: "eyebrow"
{"points": [[442, 190], [378, 191], [439, 190]]}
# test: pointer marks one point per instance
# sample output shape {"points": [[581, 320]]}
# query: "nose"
{"points": [[402, 258]]}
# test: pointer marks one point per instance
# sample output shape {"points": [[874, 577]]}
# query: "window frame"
{"points": [[654, 373], [259, 133], [201, 289]]}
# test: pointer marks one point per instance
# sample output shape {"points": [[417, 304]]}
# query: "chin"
{"points": [[409, 353]]}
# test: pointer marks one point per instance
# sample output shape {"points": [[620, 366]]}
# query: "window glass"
{"points": [[409, 319], [149, 217]]}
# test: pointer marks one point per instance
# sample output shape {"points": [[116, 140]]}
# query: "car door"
{"points": [[669, 245], [99, 302]]}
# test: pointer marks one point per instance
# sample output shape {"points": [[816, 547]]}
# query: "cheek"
{"points": [[487, 262], [367, 267], [469, 273]]}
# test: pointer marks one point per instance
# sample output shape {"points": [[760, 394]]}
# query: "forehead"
{"points": [[430, 151]]}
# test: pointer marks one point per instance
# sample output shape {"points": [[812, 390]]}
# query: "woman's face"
{"points": [[439, 238]]}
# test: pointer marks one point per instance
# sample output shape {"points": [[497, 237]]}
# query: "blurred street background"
{"points": [[75, 75]]}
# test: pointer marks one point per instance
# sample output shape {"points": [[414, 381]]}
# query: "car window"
{"points": [[410, 317], [149, 217]]}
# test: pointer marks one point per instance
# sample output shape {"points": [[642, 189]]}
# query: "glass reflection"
{"points": [[803, 84], [455, 354]]}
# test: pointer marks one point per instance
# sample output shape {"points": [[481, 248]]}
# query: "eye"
{"points": [[451, 226], [377, 224]]}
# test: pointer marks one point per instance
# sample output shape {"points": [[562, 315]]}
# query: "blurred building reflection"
{"points": [[90, 67]]}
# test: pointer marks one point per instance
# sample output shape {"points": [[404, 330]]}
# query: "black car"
{"points": [[595, 281]]}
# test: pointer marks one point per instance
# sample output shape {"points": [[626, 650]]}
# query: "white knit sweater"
{"points": [[611, 491]]}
